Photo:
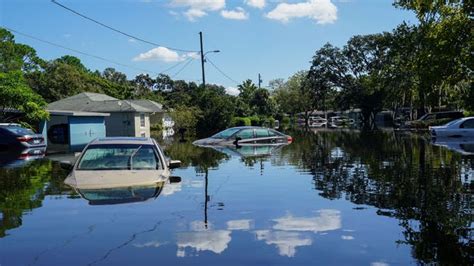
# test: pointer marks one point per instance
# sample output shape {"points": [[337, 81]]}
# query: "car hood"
{"points": [[86, 179]]}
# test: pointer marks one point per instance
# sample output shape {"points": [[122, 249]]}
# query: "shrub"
{"points": [[269, 122], [240, 121], [255, 121], [156, 127]]}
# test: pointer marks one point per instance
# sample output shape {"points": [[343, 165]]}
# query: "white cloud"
{"points": [[232, 91], [215, 241], [193, 14], [173, 13], [327, 220], [379, 263], [197, 8], [199, 4], [287, 242], [67, 35], [237, 14], [163, 54], [322, 11], [347, 237], [256, 3], [131, 40], [151, 244], [239, 224], [170, 189]]}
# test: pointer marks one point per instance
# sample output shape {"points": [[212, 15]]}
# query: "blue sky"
{"points": [[273, 37]]}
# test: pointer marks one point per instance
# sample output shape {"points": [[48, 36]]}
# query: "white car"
{"points": [[120, 162], [462, 127]]}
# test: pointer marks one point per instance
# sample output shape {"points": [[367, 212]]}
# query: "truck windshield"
{"points": [[119, 157]]}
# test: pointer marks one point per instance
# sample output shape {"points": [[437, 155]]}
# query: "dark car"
{"points": [[12, 157], [442, 115], [14, 135], [245, 136]]}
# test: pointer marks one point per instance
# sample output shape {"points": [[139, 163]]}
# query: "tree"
{"points": [[17, 95], [186, 118], [15, 56], [292, 97]]}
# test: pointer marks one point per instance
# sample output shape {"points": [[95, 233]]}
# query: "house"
{"points": [[125, 117], [70, 131]]}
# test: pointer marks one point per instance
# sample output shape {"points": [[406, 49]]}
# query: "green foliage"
{"points": [[285, 121], [157, 127], [17, 95], [240, 121], [186, 118], [14, 56], [255, 121]]}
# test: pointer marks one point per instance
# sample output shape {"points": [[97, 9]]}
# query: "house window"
{"points": [[142, 120], [143, 134]]}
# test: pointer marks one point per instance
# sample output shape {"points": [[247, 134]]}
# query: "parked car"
{"points": [[462, 127], [14, 135], [442, 115], [13, 157], [433, 118], [120, 162], [339, 121], [249, 151], [245, 136], [317, 121]]}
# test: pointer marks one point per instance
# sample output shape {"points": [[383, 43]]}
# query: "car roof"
{"points": [[9, 125], [248, 127], [123, 140]]}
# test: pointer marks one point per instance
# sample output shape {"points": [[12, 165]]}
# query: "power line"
{"points": [[93, 56], [222, 72], [80, 52], [116, 30], [182, 68]]}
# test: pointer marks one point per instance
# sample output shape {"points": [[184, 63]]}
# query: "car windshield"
{"points": [[226, 133], [19, 130], [119, 157]]}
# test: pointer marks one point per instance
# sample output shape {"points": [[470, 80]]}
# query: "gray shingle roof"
{"points": [[95, 102]]}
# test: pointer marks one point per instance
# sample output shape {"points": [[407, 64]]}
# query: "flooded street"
{"points": [[334, 197]]}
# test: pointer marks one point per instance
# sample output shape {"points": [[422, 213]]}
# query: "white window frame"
{"points": [[142, 121]]}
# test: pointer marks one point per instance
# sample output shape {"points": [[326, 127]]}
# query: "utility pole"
{"points": [[202, 61], [259, 80]]}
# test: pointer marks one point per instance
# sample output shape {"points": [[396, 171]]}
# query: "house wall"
{"points": [[120, 124], [142, 131], [56, 120], [83, 130], [75, 131]]}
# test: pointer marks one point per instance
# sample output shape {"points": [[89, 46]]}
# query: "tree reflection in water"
{"points": [[429, 189], [23, 189]]}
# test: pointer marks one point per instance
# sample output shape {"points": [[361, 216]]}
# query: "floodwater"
{"points": [[329, 198]]}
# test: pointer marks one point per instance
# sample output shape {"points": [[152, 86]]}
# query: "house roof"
{"points": [[76, 113], [101, 103], [154, 106]]}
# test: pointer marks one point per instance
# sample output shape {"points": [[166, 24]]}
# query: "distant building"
{"points": [[125, 117]]}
